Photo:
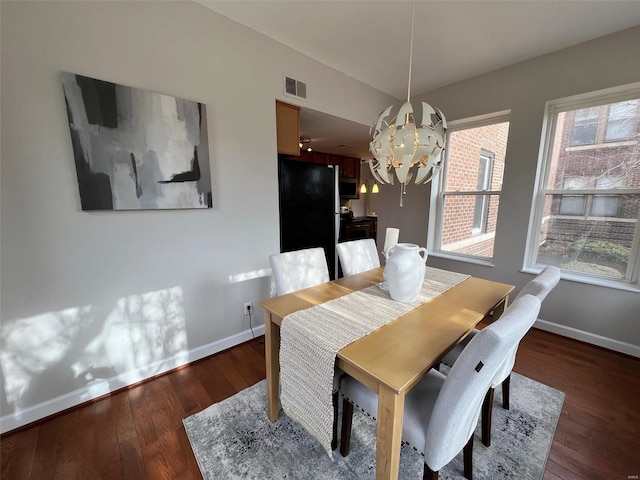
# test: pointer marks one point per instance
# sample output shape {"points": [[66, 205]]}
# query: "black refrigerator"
{"points": [[309, 207]]}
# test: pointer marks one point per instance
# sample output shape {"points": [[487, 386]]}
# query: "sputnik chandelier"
{"points": [[399, 144]]}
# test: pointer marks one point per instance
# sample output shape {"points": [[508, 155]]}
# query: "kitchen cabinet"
{"points": [[288, 128], [316, 157], [349, 166]]}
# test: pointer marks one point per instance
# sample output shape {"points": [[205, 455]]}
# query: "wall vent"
{"points": [[295, 88]]}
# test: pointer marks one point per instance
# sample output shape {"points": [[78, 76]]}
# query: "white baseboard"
{"points": [[102, 387], [592, 338]]}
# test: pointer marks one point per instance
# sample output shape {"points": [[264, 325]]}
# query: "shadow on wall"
{"points": [[53, 354]]}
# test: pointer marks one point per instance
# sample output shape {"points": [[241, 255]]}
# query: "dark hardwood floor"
{"points": [[137, 433]]}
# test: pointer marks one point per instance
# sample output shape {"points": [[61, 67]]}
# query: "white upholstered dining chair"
{"points": [[539, 287], [301, 269], [358, 256], [441, 412]]}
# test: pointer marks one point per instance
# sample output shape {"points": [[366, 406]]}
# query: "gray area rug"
{"points": [[235, 439]]}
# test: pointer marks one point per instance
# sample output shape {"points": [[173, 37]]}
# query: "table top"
{"points": [[398, 354]]}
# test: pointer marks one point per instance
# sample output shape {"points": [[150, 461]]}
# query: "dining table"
{"points": [[392, 359]]}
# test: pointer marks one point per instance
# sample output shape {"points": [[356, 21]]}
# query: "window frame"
{"points": [[553, 108], [436, 207]]}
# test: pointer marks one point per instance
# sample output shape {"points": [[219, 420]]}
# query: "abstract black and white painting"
{"points": [[135, 149]]}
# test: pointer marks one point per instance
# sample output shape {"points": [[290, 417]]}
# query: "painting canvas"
{"points": [[135, 149]]}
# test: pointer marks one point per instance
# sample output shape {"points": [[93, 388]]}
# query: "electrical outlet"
{"points": [[248, 308]]}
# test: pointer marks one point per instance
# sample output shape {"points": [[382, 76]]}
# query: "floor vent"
{"points": [[295, 88]]}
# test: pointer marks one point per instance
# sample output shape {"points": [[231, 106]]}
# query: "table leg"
{"points": [[389, 433], [499, 309], [272, 357]]}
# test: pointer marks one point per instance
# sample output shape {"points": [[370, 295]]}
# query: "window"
{"points": [[573, 204], [470, 186], [615, 122], [621, 122], [585, 126], [587, 203], [481, 209]]}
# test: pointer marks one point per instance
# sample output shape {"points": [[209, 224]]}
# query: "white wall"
{"points": [[603, 316], [94, 301]]}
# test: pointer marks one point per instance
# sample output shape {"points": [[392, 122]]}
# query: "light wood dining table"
{"points": [[393, 358]]}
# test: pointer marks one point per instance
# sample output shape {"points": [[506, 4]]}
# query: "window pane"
{"points": [[468, 152], [592, 246], [601, 166], [611, 181], [585, 126], [572, 205], [459, 233], [475, 163], [605, 206], [622, 119], [577, 183]]}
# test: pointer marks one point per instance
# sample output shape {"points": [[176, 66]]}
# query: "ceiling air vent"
{"points": [[295, 88]]}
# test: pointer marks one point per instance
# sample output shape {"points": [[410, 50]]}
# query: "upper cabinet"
{"points": [[288, 128], [349, 166]]}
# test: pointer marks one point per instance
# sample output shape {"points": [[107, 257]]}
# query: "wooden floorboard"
{"points": [[137, 433]]}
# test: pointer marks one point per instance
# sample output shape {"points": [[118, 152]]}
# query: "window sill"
{"points": [[591, 146], [485, 262], [599, 282], [566, 216]]}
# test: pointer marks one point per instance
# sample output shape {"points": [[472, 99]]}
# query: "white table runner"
{"points": [[311, 338]]}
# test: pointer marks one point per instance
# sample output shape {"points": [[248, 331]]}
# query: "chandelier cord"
{"points": [[413, 14]]}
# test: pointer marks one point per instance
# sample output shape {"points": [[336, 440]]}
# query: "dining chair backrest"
{"points": [[358, 256], [455, 413], [542, 284], [299, 269], [539, 287]]}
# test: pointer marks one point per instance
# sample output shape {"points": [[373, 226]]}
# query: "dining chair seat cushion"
{"points": [[358, 256], [299, 269], [418, 404]]}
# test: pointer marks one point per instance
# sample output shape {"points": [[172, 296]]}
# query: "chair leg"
{"points": [[347, 418], [505, 392], [429, 474], [487, 409], [334, 438], [467, 453]]}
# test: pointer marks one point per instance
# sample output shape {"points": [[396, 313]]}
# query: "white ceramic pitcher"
{"points": [[404, 271]]}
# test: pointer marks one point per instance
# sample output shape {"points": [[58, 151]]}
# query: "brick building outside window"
{"points": [[469, 194], [589, 200]]}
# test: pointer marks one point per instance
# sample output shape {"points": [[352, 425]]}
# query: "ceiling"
{"points": [[453, 40]]}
